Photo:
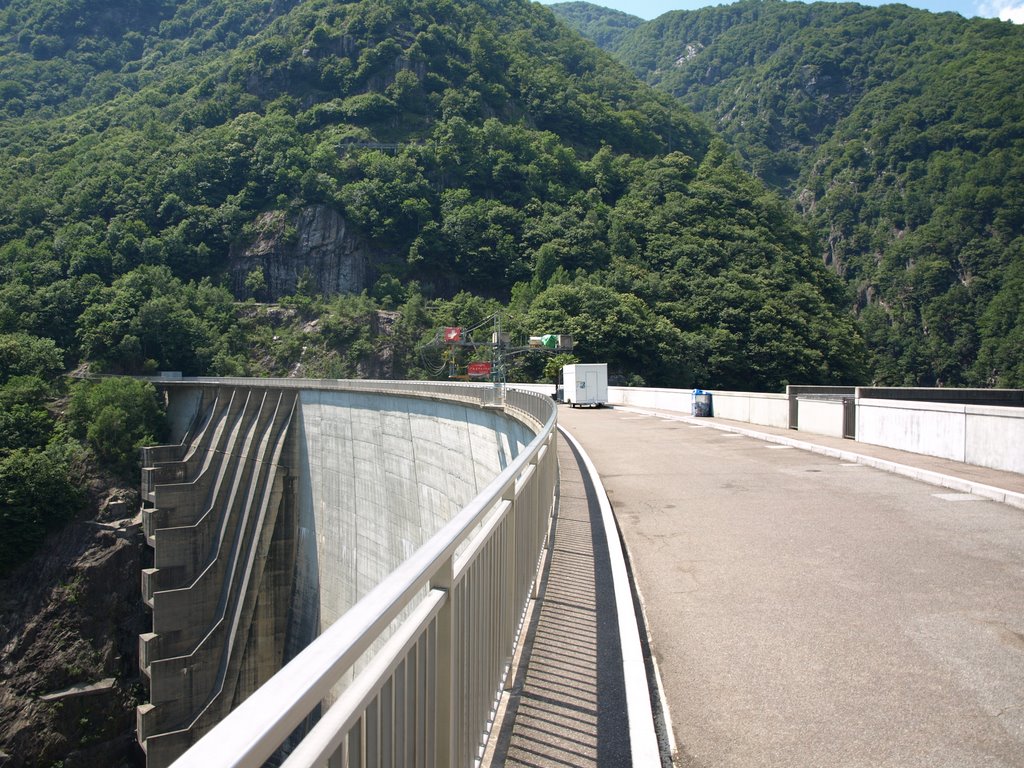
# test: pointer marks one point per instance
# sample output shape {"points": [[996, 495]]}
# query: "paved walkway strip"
{"points": [[808, 610], [997, 485], [569, 703]]}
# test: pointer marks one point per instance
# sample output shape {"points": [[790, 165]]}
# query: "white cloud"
{"points": [[1013, 13], [1006, 10]]}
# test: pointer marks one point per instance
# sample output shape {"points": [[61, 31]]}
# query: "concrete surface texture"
{"points": [[567, 703], [985, 435], [810, 611], [377, 476], [275, 515]]}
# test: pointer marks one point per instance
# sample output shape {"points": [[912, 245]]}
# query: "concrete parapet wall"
{"points": [[797, 391], [284, 519], [657, 398], [984, 427], [767, 409], [820, 417], [988, 436]]}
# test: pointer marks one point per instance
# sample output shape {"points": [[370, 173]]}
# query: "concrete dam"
{"points": [[281, 504]]}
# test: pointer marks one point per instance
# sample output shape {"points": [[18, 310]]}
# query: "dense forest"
{"points": [[605, 26], [313, 187], [476, 150], [182, 185], [897, 134]]}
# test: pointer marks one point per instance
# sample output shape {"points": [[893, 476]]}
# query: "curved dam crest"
{"points": [[277, 510], [378, 475]]}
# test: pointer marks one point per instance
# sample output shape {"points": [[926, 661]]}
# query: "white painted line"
{"points": [[665, 713], [957, 496], [642, 736], [778, 447]]}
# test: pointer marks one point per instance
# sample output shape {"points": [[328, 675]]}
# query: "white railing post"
{"points": [[511, 607], [419, 701], [444, 670], [537, 529]]}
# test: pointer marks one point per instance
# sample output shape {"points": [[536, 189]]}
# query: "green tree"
{"points": [[148, 320], [22, 354], [24, 420], [39, 491], [617, 328], [115, 417], [555, 363]]}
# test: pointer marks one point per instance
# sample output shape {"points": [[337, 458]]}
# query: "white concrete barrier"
{"points": [[934, 429], [987, 436], [768, 409], [820, 416], [764, 408], [995, 437], [983, 435], [680, 400]]}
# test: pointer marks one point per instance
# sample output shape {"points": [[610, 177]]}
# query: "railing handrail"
{"points": [[251, 733]]}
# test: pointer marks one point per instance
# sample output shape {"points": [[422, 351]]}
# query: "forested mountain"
{"points": [[899, 135], [312, 187], [444, 147], [61, 55], [605, 26]]}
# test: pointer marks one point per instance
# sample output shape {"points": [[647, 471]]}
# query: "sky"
{"points": [[1007, 10]]}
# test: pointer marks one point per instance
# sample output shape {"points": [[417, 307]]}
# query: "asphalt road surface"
{"points": [[808, 612]]}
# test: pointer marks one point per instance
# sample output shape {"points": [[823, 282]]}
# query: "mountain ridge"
{"points": [[468, 147], [896, 133]]}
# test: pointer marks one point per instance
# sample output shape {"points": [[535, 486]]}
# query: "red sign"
{"points": [[453, 334], [479, 369]]}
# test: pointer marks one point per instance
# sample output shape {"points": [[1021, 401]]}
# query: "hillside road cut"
{"points": [[808, 611]]}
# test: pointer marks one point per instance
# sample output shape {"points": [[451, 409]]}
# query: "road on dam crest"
{"points": [[808, 612]]}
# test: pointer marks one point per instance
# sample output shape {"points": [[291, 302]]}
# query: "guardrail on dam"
{"points": [[343, 566]]}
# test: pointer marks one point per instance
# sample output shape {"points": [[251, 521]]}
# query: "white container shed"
{"points": [[585, 384]]}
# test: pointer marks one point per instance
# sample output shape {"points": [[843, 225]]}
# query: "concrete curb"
{"points": [[953, 483], [643, 737]]}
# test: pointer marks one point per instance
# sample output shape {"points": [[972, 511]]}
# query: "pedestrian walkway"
{"points": [[567, 703], [1007, 487], [803, 609]]}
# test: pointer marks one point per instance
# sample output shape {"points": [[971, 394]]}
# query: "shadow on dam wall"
{"points": [[275, 512]]}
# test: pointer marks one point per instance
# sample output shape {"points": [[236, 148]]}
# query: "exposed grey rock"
{"points": [[317, 244]]}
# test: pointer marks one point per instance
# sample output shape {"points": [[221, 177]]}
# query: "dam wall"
{"points": [[379, 475], [278, 507]]}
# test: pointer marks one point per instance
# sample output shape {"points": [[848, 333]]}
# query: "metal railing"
{"points": [[481, 394], [428, 695]]}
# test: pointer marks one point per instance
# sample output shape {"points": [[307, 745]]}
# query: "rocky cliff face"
{"points": [[317, 245], [69, 625]]}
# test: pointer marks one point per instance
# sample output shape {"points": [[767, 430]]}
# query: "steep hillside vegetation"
{"points": [[412, 150], [311, 188], [899, 135], [604, 26], [57, 56]]}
